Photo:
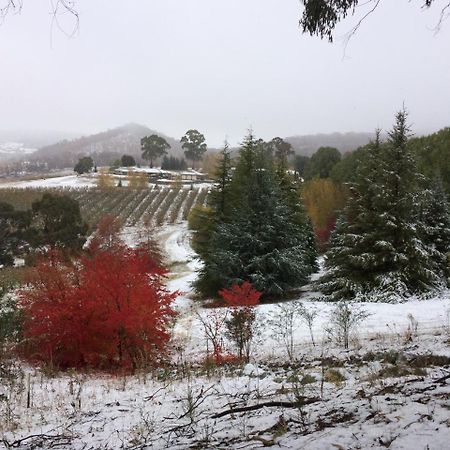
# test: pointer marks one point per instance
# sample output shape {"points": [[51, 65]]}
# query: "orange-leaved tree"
{"points": [[241, 326], [323, 200], [107, 310]]}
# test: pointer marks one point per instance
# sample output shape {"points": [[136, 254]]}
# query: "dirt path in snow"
{"points": [[175, 241]]}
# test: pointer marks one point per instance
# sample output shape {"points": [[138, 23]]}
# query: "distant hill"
{"points": [[344, 142], [104, 147], [34, 139]]}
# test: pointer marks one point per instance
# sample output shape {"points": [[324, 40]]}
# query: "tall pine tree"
{"points": [[377, 252], [260, 239], [435, 220]]}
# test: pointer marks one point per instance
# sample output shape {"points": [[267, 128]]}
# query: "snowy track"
{"points": [[384, 319]]}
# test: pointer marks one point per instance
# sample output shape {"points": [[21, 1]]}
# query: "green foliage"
{"points": [[57, 222], [10, 320], [201, 221], [220, 194], [433, 155], [378, 251], [282, 151], [345, 170], [12, 227], [172, 163], [194, 145], [261, 235], [84, 164], [301, 165], [435, 222], [153, 147], [127, 161], [320, 17], [10, 313], [322, 162]]}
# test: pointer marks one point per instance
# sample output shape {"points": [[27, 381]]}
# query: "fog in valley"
{"points": [[220, 67]]}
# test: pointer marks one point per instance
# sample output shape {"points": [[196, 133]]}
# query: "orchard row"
{"points": [[157, 205]]}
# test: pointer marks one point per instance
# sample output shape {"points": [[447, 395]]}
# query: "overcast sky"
{"points": [[221, 66]]}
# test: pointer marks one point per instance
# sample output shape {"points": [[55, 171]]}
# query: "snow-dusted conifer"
{"points": [[261, 239], [377, 252], [435, 219]]}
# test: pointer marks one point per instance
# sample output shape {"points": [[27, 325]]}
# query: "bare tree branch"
{"points": [[59, 9], [445, 13], [353, 31]]}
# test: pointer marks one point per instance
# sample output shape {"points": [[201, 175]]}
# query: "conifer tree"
{"points": [[219, 195], [435, 219], [260, 239], [377, 252]]}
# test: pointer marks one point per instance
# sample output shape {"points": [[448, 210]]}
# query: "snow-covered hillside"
{"points": [[389, 390]]}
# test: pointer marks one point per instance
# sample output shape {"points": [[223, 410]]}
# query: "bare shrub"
{"points": [[213, 323], [284, 321], [345, 318]]}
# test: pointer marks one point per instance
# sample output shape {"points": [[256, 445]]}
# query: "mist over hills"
{"points": [[110, 145], [306, 145], [35, 138], [104, 147]]}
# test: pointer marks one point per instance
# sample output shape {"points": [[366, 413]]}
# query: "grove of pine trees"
{"points": [[255, 228], [393, 236]]}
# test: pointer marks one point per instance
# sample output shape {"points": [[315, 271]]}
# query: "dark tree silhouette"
{"points": [[153, 147], [320, 17]]}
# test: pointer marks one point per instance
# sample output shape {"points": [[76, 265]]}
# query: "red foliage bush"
{"points": [[323, 234], [104, 311], [243, 295], [242, 300]]}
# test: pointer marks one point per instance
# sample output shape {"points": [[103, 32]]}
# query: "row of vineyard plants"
{"points": [[131, 206]]}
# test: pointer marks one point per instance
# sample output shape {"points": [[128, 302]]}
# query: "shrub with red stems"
{"points": [[241, 326]]}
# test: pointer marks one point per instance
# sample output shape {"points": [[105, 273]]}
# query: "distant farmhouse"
{"points": [[156, 175]]}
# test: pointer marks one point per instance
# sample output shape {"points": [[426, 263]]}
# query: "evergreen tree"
{"points": [[435, 219], [290, 190], [13, 225], [204, 219], [165, 163], [259, 238], [84, 165], [219, 195], [127, 161], [57, 222], [376, 251]]}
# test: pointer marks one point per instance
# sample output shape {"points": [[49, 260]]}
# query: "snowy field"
{"points": [[389, 390], [67, 181], [383, 317], [74, 182]]}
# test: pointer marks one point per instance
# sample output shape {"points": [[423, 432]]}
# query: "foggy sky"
{"points": [[221, 66]]}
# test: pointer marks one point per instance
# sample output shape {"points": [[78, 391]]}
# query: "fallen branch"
{"points": [[280, 404], [442, 379], [50, 440]]}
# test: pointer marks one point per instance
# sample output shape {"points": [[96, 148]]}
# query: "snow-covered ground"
{"points": [[74, 181], [67, 181], [389, 390], [383, 318]]}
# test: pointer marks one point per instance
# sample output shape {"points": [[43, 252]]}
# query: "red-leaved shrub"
{"points": [[241, 325], [104, 311], [241, 295]]}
